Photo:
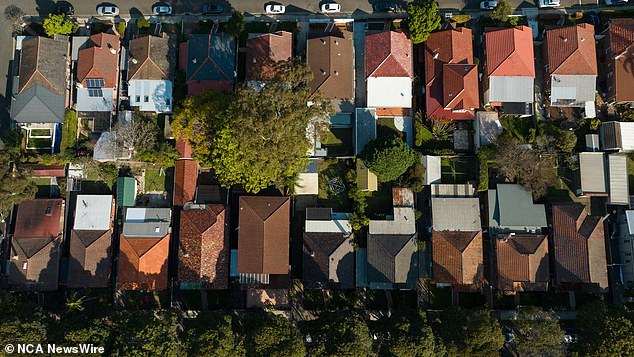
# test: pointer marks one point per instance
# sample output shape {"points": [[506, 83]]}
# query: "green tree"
{"points": [[414, 177], [502, 11], [423, 18], [410, 336], [605, 331], [211, 334], [142, 23], [340, 334], [469, 333], [538, 333], [358, 218], [121, 29], [388, 157], [235, 26], [272, 335], [145, 333], [15, 184], [58, 25], [21, 322]]}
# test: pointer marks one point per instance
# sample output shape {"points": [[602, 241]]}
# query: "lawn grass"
{"points": [[385, 127], [69, 131], [338, 141], [154, 179], [40, 132], [457, 170]]}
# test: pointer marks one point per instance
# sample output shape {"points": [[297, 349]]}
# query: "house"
{"points": [[264, 240], [616, 53], [591, 177], [328, 252], [391, 258], [367, 180], [578, 247], [331, 59], [40, 90], [308, 181], [618, 182], [451, 77], [487, 128], [511, 210], [616, 135], [509, 74], [90, 242], [126, 191], [98, 74], [570, 63], [151, 62], [389, 72], [521, 262], [144, 248], [185, 178], [209, 62], [625, 240], [34, 252], [265, 48], [457, 252], [203, 247]]}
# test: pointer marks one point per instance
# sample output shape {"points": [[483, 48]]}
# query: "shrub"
{"points": [[58, 24], [388, 157], [461, 19], [142, 23], [121, 29]]}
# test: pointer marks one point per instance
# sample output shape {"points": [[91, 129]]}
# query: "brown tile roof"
{"points": [[276, 46], [264, 234], [621, 32], [98, 61], [44, 61], [388, 54], [184, 148], [521, 259], [509, 51], [89, 262], [143, 263], [579, 246], [448, 58], [40, 218], [571, 50], [457, 257], [185, 177], [332, 61], [34, 263], [328, 257], [203, 254], [47, 170], [154, 56]]}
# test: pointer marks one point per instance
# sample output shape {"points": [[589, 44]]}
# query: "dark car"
{"points": [[384, 6], [64, 8], [212, 9]]}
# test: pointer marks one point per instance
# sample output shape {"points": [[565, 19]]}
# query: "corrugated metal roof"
{"points": [[126, 191], [456, 214], [581, 88], [147, 222], [511, 206], [511, 89], [86, 103], [38, 104], [619, 190], [364, 128], [592, 172]]}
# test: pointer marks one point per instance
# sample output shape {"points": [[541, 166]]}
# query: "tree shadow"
{"points": [[44, 7]]}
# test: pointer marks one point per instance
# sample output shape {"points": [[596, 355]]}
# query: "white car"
{"points": [[488, 5], [107, 10], [162, 10], [330, 7], [616, 2], [275, 9], [549, 3]]}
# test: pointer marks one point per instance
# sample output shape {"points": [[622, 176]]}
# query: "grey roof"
{"points": [[581, 88], [392, 259], [328, 257], [78, 43], [86, 103], [592, 142], [617, 173], [38, 104], [456, 214], [617, 135], [511, 206], [154, 56], [488, 127], [364, 128], [511, 89], [146, 222], [592, 172]]}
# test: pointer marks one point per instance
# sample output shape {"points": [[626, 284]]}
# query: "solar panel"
{"points": [[95, 92], [94, 83]]}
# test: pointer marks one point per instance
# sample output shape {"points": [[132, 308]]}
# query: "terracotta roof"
{"points": [[276, 46], [47, 170], [621, 32], [184, 148], [579, 246], [185, 177], [98, 62], [89, 262], [44, 61], [571, 50], [388, 54], [332, 61], [521, 259], [449, 69], [264, 235], [457, 257], [509, 51], [40, 218], [143, 263], [203, 254], [154, 57], [622, 35]]}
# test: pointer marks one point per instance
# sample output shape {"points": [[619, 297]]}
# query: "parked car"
{"points": [[65, 8], [161, 9], [384, 6], [212, 9], [488, 5], [549, 3], [107, 10], [330, 7], [616, 2], [275, 9]]}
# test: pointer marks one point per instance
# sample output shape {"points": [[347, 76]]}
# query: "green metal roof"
{"points": [[126, 191], [511, 206]]}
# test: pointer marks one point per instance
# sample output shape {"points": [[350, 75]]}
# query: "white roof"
{"points": [[456, 214], [592, 172], [403, 222], [627, 135], [307, 184], [93, 212], [86, 103], [432, 169], [331, 226], [389, 92], [511, 89], [581, 88], [629, 215], [619, 191], [158, 93]]}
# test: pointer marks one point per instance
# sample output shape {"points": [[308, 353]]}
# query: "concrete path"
{"points": [[358, 28]]}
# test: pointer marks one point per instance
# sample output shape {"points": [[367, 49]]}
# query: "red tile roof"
{"points": [[47, 170], [40, 218], [621, 34], [184, 148], [143, 263], [276, 46], [98, 61], [521, 261], [443, 51], [388, 54], [185, 177], [457, 257], [203, 255], [509, 51], [571, 50]]}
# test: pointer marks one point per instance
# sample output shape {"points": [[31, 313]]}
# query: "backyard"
{"points": [[458, 169], [155, 179], [338, 141], [333, 189]]}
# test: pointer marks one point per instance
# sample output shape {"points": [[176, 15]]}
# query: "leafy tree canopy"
{"points": [[604, 331], [340, 334], [235, 26], [15, 184], [538, 333], [423, 18], [411, 336], [144, 333], [502, 11], [274, 336], [470, 333], [211, 334], [388, 157], [58, 24]]}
